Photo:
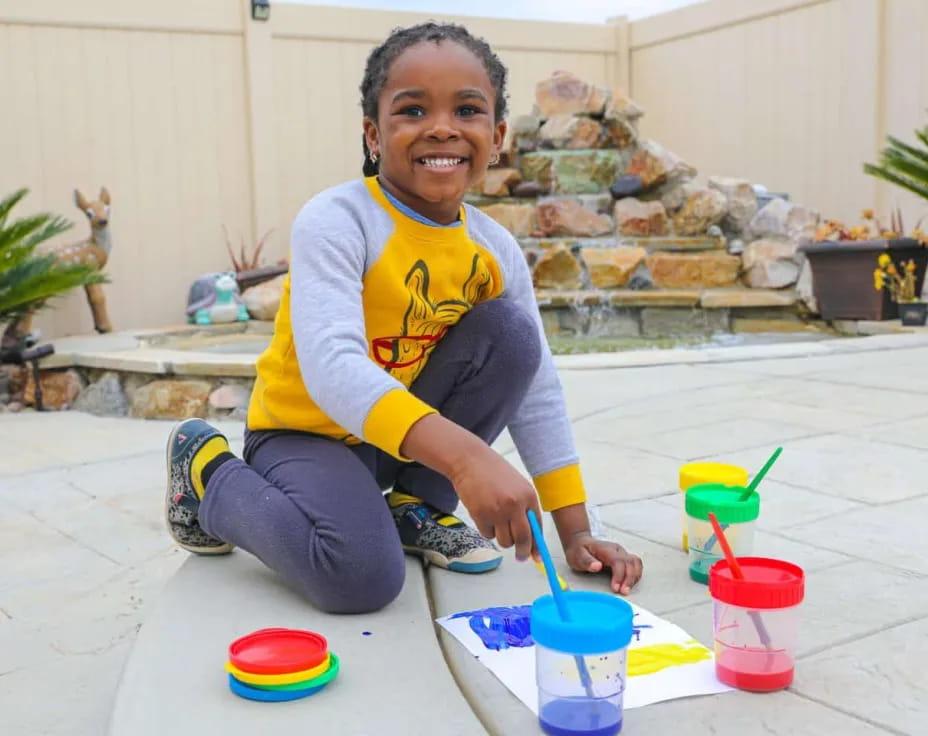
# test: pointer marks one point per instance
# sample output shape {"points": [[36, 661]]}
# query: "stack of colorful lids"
{"points": [[274, 665]]}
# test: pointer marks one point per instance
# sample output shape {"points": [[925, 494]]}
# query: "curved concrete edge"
{"points": [[684, 356], [513, 583], [394, 681]]}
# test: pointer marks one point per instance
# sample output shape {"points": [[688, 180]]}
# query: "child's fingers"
{"points": [[632, 570], [503, 536], [583, 559], [521, 536]]}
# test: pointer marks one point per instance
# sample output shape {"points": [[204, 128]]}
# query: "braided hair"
{"points": [[380, 59]]}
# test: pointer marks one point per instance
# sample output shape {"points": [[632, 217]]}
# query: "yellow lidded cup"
{"points": [[696, 474]]}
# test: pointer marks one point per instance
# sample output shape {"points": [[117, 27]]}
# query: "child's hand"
{"points": [[585, 553], [498, 498]]}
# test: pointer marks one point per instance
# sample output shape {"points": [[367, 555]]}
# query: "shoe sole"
{"points": [[439, 560], [222, 549]]}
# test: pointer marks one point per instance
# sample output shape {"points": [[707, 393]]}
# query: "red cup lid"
{"points": [[278, 651], [767, 583]]}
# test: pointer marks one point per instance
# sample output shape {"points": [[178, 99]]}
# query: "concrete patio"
{"points": [[104, 627]]}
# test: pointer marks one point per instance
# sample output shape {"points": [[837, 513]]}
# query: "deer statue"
{"points": [[93, 251]]}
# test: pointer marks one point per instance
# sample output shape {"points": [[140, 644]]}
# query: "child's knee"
{"points": [[515, 333], [358, 583]]}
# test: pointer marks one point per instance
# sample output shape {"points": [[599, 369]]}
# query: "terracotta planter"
{"points": [[842, 276]]}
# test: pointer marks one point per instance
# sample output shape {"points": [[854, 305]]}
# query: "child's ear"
{"points": [[499, 135], [371, 135]]}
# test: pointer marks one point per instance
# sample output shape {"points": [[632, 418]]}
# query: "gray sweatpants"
{"points": [[312, 508]]}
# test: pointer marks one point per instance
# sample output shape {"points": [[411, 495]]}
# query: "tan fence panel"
{"points": [[148, 101]]}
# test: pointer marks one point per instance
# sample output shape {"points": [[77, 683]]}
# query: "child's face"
{"points": [[436, 129]]}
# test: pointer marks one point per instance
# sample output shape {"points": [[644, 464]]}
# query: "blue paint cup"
{"points": [[598, 633]]}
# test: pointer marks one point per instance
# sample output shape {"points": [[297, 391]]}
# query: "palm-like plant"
{"points": [[29, 279], [903, 164]]}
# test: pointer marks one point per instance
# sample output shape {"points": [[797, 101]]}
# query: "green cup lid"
{"points": [[723, 500]]}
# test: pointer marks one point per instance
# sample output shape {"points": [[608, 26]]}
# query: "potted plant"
{"points": [[899, 281], [842, 258]]}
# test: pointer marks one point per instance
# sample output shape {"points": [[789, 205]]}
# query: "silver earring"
{"points": [[494, 159], [373, 157]]}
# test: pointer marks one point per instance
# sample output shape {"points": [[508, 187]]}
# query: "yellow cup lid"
{"points": [[695, 474]]}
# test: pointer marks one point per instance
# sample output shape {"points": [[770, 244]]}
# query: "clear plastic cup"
{"points": [[738, 519], [698, 474], [580, 665], [755, 622]]}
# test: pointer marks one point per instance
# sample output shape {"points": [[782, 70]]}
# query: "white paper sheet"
{"points": [[660, 662]]}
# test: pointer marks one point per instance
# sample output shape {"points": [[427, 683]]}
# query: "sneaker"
{"points": [[181, 504], [442, 539]]}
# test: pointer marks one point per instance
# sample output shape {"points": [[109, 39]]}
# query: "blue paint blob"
{"points": [[365, 633], [580, 717], [501, 627]]}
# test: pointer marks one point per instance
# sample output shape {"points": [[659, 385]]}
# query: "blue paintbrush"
{"points": [[560, 600]]}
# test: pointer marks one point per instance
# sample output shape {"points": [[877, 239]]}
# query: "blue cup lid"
{"points": [[599, 623]]}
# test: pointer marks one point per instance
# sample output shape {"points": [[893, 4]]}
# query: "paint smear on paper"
{"points": [[501, 627], [651, 659]]}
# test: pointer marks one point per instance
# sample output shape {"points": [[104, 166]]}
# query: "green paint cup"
{"points": [[738, 519]]}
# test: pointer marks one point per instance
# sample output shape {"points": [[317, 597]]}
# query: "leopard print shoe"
{"points": [[181, 503], [441, 539]]}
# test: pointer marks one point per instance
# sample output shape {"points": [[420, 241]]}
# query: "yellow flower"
{"points": [[891, 269], [867, 214], [878, 279], [884, 260], [910, 267]]}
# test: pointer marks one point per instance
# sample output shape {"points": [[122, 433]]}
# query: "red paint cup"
{"points": [[755, 622]]}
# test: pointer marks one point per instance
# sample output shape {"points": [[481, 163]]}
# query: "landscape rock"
{"points": [[779, 218], [569, 217], [611, 268], [674, 195], [565, 93], [519, 219], [524, 133], [557, 268], [656, 165], [740, 201], [528, 189], [771, 263], [230, 396], [618, 134], [621, 107], [626, 186], [641, 219], [103, 397], [169, 399], [570, 132], [498, 182], [263, 301], [59, 388], [703, 208], [681, 270], [572, 172]]}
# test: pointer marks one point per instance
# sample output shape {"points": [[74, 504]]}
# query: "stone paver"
{"points": [[880, 678], [84, 560]]}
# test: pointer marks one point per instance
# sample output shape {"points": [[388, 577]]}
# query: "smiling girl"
{"points": [[408, 338]]}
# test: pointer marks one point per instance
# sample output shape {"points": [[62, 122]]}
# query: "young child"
{"points": [[408, 338]]}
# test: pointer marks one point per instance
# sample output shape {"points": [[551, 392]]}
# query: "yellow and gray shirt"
{"points": [[370, 291]]}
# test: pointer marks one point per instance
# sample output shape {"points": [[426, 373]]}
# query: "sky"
{"points": [[578, 11]]}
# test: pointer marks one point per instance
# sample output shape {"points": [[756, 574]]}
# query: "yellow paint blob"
{"points": [[648, 660]]}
